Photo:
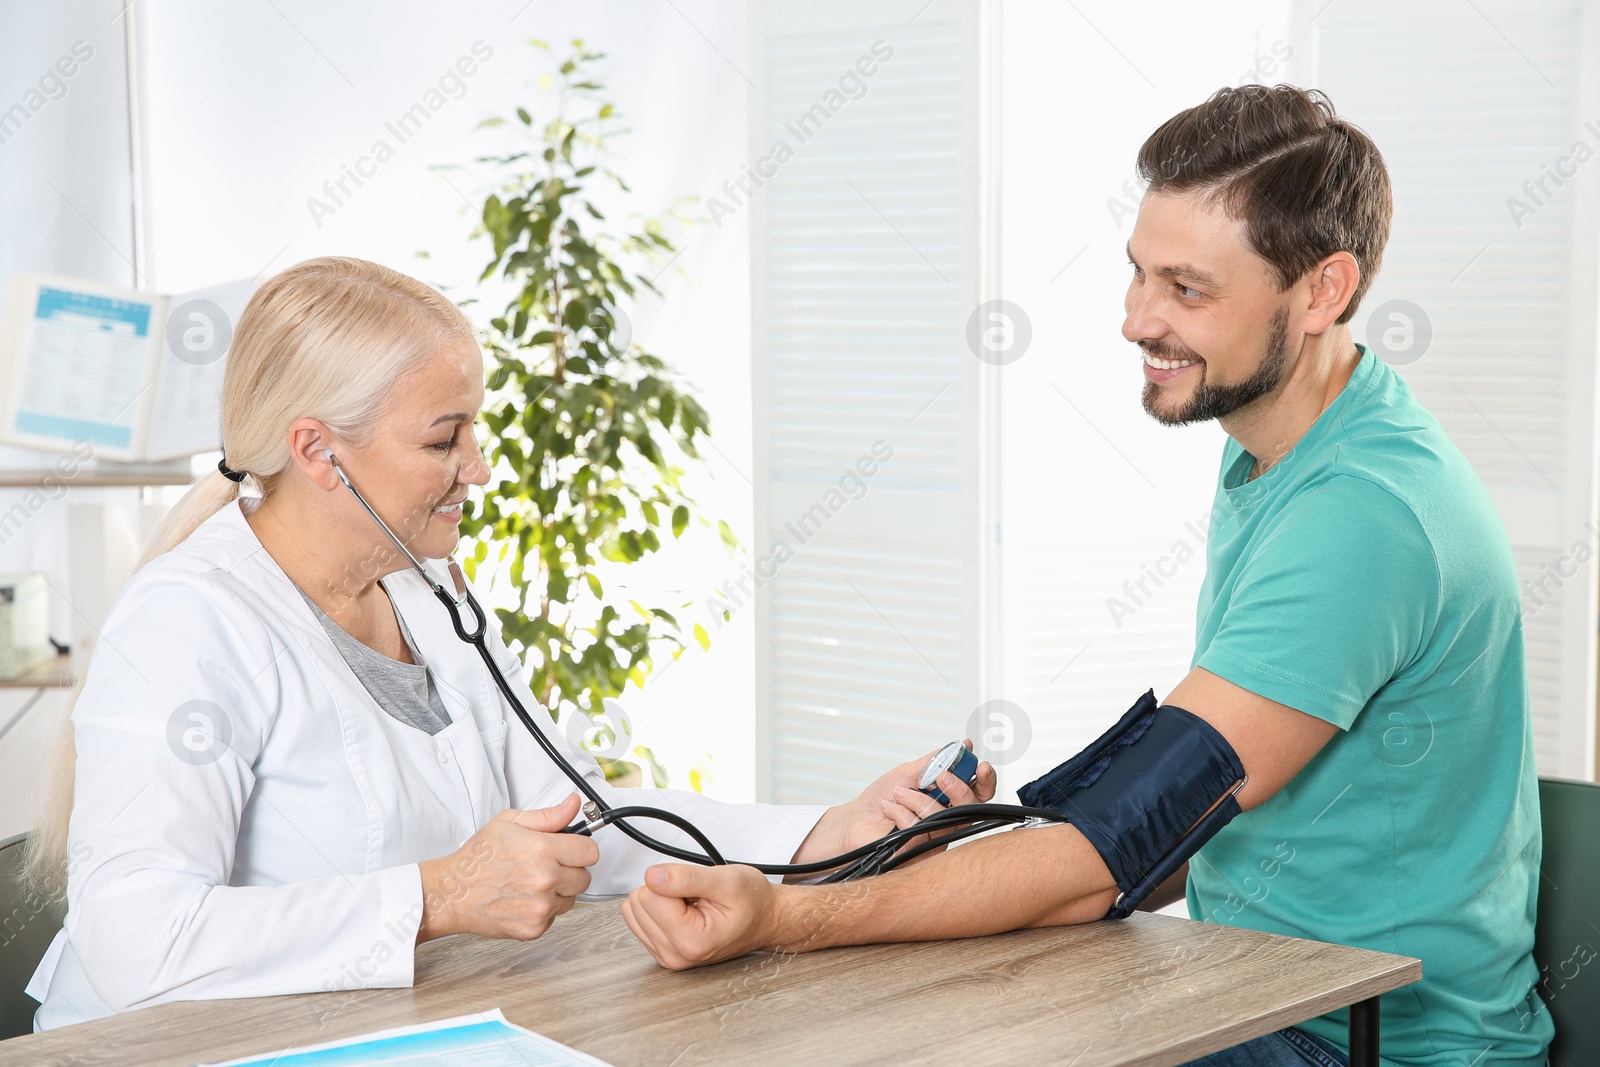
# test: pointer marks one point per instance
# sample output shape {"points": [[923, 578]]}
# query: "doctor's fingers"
{"points": [[545, 820], [522, 845], [571, 850], [521, 868], [556, 880], [988, 781], [959, 792], [524, 910], [528, 923], [544, 870], [909, 807]]}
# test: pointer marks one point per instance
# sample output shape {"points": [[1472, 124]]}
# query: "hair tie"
{"points": [[231, 475]]}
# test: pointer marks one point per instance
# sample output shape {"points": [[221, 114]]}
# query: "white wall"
{"points": [[64, 181]]}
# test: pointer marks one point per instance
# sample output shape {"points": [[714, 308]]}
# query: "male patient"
{"points": [[1359, 638]]}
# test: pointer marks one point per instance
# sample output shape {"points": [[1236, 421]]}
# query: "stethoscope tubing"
{"points": [[874, 857]]}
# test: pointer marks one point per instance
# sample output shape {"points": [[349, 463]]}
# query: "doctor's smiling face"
{"points": [[422, 457], [1206, 312]]}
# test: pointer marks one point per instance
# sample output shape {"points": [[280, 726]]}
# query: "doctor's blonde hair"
{"points": [[326, 339]]}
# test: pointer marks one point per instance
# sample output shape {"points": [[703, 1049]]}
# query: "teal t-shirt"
{"points": [[1367, 580]]}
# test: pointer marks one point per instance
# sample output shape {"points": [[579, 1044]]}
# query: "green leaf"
{"points": [[658, 773], [587, 442]]}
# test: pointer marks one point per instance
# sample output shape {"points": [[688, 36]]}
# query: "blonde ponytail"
{"points": [[325, 339], [204, 499]]}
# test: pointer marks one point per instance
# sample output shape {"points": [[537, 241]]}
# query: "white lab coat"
{"points": [[277, 851]]}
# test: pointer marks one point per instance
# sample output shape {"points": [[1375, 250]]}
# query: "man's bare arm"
{"points": [[1047, 876], [1273, 740], [687, 916]]}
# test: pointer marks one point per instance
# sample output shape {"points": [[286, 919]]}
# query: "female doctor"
{"points": [[288, 769]]}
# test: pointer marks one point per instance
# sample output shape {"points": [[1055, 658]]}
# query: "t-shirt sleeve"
{"points": [[1334, 601]]}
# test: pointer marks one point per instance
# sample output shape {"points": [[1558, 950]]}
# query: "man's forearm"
{"points": [[1048, 876]]}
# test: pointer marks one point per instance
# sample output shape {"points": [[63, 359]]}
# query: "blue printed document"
{"points": [[483, 1040], [135, 376]]}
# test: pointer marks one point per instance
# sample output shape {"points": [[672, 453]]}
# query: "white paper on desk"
{"points": [[483, 1040]]}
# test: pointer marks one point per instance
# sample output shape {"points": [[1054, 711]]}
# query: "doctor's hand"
{"points": [[688, 916], [510, 879], [892, 802]]}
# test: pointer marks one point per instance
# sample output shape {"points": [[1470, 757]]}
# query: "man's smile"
{"points": [[1157, 369]]}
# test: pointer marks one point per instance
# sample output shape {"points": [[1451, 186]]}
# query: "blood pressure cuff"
{"points": [[1147, 794]]}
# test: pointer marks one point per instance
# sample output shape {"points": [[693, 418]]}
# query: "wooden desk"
{"points": [[1152, 990]]}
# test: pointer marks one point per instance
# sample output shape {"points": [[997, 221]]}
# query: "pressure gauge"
{"points": [[955, 758]]}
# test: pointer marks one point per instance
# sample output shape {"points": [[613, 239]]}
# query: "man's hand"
{"points": [[688, 916], [691, 916], [891, 802]]}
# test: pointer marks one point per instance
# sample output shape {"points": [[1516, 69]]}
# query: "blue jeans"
{"points": [[1286, 1048]]}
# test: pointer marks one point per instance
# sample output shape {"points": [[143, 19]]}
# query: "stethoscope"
{"points": [[875, 857]]}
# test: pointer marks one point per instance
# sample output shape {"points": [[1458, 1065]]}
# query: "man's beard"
{"points": [[1219, 401]]}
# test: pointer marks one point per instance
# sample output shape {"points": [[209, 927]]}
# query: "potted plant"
{"points": [[586, 432]]}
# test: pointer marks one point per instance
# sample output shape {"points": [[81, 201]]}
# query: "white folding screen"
{"points": [[867, 205], [884, 632], [1489, 118]]}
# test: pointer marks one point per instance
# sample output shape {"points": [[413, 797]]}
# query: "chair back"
{"points": [[28, 923], [1566, 940]]}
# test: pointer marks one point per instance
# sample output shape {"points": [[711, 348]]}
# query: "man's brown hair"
{"points": [[1304, 182]]}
